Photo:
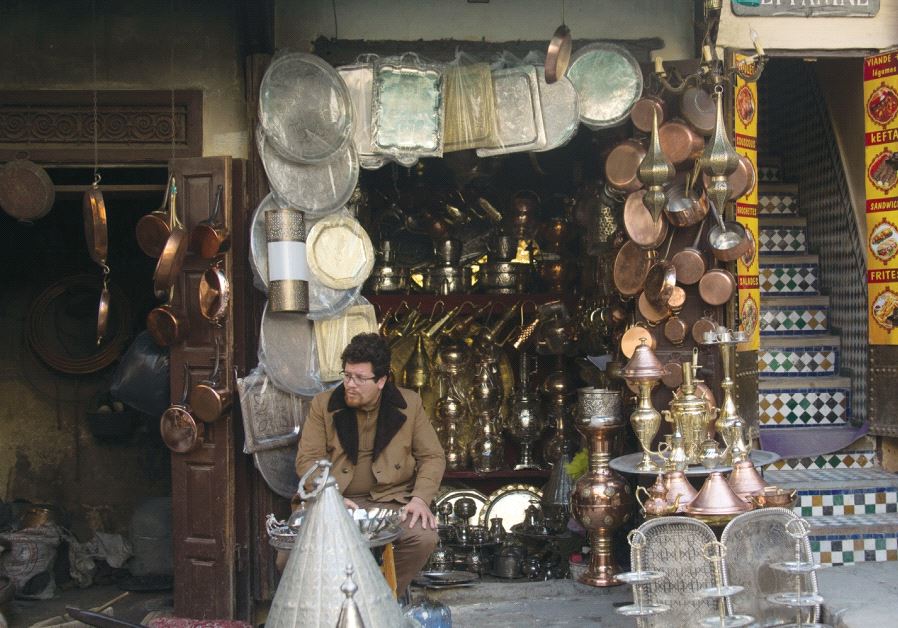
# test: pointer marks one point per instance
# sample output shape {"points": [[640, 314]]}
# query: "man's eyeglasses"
{"points": [[358, 380]]}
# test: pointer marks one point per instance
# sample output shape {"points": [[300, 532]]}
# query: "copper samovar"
{"points": [[602, 500]]}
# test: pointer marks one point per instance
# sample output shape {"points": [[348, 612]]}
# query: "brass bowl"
{"points": [[774, 497]]}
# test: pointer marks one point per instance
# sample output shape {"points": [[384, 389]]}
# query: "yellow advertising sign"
{"points": [[745, 126], [881, 183]]}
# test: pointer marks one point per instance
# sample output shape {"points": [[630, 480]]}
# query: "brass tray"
{"points": [[510, 503], [453, 495]]}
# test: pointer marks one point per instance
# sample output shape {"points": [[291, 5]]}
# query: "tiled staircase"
{"points": [[849, 500]]}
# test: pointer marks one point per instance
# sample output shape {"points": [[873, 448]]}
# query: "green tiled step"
{"points": [[770, 170], [783, 235], [819, 402], [778, 199], [798, 356], [786, 275], [786, 316]]}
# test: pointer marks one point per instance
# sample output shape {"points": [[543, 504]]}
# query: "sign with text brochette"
{"points": [[881, 184]]}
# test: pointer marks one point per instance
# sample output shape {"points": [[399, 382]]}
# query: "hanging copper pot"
{"points": [[717, 286], [210, 399], [645, 109], [660, 282], [622, 165], [679, 142], [698, 108], [210, 236], [690, 262], [644, 231], [701, 326], [26, 191], [166, 325], [180, 431], [685, 207], [95, 233], [214, 293], [103, 313], [631, 265], [171, 261], [741, 181], [653, 315], [153, 229], [634, 337], [675, 330], [677, 300], [558, 56], [673, 375]]}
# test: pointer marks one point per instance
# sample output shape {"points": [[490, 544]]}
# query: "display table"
{"points": [[627, 464]]}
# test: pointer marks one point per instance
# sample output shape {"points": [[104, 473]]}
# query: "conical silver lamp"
{"points": [[309, 593], [350, 617]]}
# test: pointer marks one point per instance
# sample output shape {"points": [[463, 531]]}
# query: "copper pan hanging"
{"points": [[210, 236], [622, 165], [103, 311], [180, 431], [690, 261], [677, 300], [153, 229], [698, 108], [679, 142], [653, 315], [171, 261], [728, 240], [631, 265], [166, 325], [634, 336], [717, 286], [643, 230], [558, 56], [685, 207], [675, 330], [742, 180], [95, 233], [661, 280], [215, 293], [645, 109], [705, 324], [210, 399]]}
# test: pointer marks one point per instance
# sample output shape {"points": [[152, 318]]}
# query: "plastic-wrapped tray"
{"points": [[304, 108], [324, 302], [272, 418], [317, 189], [278, 469], [407, 120], [561, 110], [518, 111], [287, 347], [339, 252], [470, 113], [359, 79], [608, 82], [333, 334]]}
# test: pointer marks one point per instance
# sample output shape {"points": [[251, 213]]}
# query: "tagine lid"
{"points": [[644, 363], [716, 498]]}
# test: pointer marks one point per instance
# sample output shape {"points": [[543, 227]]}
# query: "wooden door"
{"points": [[205, 523]]}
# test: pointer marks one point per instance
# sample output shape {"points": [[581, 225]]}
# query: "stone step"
{"points": [[795, 405], [799, 356], [790, 275], [854, 539], [770, 170], [778, 199], [783, 316], [783, 240]]}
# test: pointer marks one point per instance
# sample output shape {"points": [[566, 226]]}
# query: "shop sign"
{"points": [[805, 8], [745, 127], [881, 184]]}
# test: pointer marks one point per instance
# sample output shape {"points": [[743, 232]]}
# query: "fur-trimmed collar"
{"points": [[390, 419]]}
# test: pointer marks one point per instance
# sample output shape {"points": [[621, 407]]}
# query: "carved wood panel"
{"points": [[203, 482]]}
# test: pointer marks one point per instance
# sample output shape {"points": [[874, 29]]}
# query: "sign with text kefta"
{"points": [[745, 127], [881, 183]]}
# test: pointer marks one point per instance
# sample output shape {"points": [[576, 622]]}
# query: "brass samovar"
{"points": [[689, 414]]}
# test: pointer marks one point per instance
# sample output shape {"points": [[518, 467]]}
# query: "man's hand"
{"points": [[351, 505], [417, 509]]}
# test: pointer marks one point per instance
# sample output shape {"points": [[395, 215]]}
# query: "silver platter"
{"points": [[712, 593], [561, 110], [608, 81], [639, 577], [795, 600], [317, 189], [359, 79], [796, 567], [728, 621], [519, 114], [287, 347], [643, 610], [304, 108], [278, 469]]}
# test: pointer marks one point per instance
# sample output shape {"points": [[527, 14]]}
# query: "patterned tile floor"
{"points": [[798, 319], [788, 279], [872, 501], [855, 548], [778, 204], [851, 465], [783, 241], [788, 408], [800, 361]]}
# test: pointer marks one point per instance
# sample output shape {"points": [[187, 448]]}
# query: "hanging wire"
{"points": [[93, 28], [562, 12], [336, 24], [171, 75]]}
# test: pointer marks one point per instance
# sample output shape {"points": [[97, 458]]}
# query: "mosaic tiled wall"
{"points": [[797, 127]]}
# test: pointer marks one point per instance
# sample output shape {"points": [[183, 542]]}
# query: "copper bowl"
{"points": [[622, 165], [644, 111], [679, 142], [774, 497]]}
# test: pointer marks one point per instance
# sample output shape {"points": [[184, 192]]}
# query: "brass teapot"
{"points": [[655, 503]]}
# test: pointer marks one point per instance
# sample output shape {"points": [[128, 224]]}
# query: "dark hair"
{"points": [[371, 348]]}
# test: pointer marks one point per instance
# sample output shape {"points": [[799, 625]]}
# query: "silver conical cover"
{"points": [[309, 592], [350, 617]]}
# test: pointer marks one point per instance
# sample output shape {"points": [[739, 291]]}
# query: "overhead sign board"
{"points": [[805, 8]]}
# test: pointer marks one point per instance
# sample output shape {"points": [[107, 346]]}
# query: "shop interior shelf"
{"points": [[386, 302], [505, 474]]}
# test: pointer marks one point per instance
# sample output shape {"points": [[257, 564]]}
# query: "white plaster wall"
{"points": [[299, 22], [47, 44]]}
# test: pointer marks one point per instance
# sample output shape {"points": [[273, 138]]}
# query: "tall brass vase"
{"points": [[602, 500]]}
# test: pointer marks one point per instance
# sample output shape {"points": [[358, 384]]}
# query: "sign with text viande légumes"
{"points": [[805, 8]]}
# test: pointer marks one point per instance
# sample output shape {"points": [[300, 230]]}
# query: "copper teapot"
{"points": [[655, 503]]}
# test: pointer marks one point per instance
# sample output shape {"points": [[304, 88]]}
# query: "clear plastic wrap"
{"points": [[339, 251], [561, 110], [359, 79], [317, 189], [519, 116], [407, 108], [287, 348], [470, 112], [304, 108], [608, 82], [333, 334], [272, 417], [324, 302]]}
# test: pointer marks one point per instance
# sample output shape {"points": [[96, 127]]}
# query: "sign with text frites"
{"points": [[881, 184], [745, 127]]}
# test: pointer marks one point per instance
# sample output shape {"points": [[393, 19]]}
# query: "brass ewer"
{"points": [[602, 500], [644, 370], [655, 171], [689, 413], [525, 422]]}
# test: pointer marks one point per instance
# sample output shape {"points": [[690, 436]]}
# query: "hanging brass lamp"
{"points": [[720, 159], [655, 171]]}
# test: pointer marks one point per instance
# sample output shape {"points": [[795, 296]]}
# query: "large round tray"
{"points": [[608, 81], [629, 463]]}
